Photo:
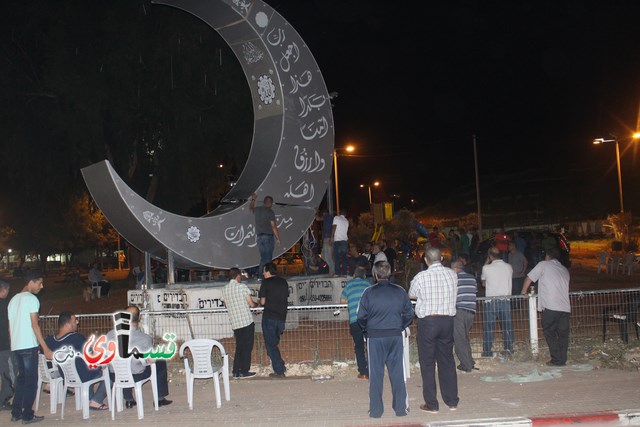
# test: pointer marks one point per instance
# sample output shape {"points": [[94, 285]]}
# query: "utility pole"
{"points": [[475, 161]]}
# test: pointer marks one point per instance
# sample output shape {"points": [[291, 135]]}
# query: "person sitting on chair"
{"points": [[143, 342], [95, 276], [67, 335]]}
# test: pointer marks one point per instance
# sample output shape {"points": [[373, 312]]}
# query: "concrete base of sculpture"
{"points": [[196, 309]]}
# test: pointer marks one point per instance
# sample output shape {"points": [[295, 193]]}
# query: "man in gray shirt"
{"points": [[266, 230], [143, 343], [553, 291]]}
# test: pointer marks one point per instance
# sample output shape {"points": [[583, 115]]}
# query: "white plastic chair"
{"points": [[49, 376], [201, 367], [72, 379], [124, 379], [96, 289]]}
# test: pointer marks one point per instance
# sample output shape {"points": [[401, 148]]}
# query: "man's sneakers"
{"points": [[460, 368], [35, 419], [164, 402], [363, 376], [274, 375], [243, 375], [428, 410]]}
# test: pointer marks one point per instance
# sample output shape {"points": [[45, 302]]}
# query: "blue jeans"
{"points": [[340, 257], [26, 364], [497, 309], [265, 243], [272, 329]]}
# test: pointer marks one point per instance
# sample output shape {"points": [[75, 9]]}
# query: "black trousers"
{"points": [[435, 349], [555, 325], [244, 347]]}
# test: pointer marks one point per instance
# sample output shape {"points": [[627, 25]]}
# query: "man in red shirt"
{"points": [[502, 243]]}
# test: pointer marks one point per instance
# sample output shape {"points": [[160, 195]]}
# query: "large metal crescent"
{"points": [[290, 157]]}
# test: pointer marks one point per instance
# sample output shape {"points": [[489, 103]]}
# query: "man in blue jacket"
{"points": [[384, 312]]}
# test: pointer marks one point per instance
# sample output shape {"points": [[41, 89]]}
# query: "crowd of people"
{"points": [[441, 299]]}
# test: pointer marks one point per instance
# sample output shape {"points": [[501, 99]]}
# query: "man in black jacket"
{"points": [[384, 312]]}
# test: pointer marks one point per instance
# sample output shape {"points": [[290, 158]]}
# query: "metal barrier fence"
{"points": [[319, 334]]}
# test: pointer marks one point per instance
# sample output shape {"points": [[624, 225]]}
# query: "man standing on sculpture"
{"points": [[340, 239], [238, 300], [327, 243], [274, 297], [553, 292], [266, 230]]}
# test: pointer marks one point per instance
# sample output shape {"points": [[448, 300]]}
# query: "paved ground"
{"points": [[509, 390]]}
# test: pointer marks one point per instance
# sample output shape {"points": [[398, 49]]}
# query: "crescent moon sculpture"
{"points": [[290, 157]]}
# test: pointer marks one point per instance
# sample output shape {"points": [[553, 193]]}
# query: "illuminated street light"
{"points": [[598, 141], [375, 184]]}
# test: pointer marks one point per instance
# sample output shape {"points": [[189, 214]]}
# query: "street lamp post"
{"points": [[375, 184], [615, 141], [349, 149]]}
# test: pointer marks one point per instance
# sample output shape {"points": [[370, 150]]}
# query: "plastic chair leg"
{"points": [[216, 386], [36, 402], [190, 381], [139, 402], [78, 397], [64, 393], [227, 389], [54, 396]]}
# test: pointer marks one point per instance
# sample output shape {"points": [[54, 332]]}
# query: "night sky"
{"points": [[535, 81]]}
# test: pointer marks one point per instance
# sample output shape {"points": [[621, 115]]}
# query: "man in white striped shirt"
{"points": [[435, 290]]}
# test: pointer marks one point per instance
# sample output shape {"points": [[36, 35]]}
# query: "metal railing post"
{"points": [[533, 323]]}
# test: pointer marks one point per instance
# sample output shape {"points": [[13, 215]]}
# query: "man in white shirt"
{"points": [[340, 240], [496, 278], [378, 254]]}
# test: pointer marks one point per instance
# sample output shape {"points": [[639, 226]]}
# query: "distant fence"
{"points": [[318, 334]]}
